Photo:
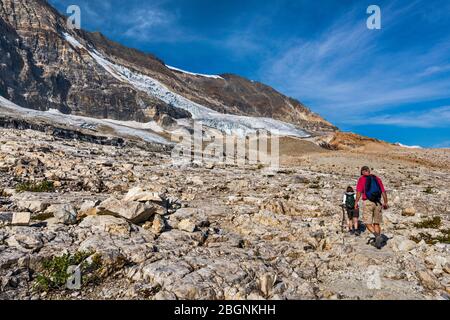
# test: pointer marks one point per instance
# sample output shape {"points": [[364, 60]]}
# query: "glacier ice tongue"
{"points": [[230, 124]]}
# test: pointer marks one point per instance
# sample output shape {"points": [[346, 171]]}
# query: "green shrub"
{"points": [[54, 274], [423, 236], [44, 186], [444, 238], [432, 223], [429, 190], [316, 184]]}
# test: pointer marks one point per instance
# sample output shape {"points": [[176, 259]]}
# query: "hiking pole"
{"points": [[343, 224]]}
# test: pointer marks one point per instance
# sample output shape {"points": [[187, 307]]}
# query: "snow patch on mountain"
{"points": [[122, 128], [195, 74], [409, 147], [74, 42], [8, 104]]}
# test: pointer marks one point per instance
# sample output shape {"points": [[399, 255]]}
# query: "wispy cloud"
{"points": [[444, 144], [432, 118], [435, 70], [139, 21], [146, 23], [349, 68]]}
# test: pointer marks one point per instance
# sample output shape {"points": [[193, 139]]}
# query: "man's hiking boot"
{"points": [[379, 242], [357, 233], [352, 232]]}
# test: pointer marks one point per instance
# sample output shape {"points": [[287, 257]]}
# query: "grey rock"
{"points": [[21, 219], [159, 224], [135, 212], [140, 195], [428, 280], [28, 238], [109, 224], [63, 213], [186, 225]]}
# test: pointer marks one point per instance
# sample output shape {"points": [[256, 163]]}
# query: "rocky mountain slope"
{"points": [[87, 179], [43, 66], [142, 227]]}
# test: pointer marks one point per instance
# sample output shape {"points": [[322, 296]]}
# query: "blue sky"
{"points": [[392, 84]]}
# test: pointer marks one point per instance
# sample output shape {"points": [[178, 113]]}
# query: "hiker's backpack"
{"points": [[350, 201], [373, 189]]}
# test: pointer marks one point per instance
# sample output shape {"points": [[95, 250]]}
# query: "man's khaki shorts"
{"points": [[372, 213]]}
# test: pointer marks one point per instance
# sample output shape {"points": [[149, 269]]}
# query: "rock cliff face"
{"points": [[41, 69]]}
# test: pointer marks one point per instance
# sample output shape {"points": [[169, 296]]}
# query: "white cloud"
{"points": [[146, 22], [347, 72], [444, 144], [435, 70], [433, 118]]}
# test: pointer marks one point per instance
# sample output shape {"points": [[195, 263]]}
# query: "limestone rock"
{"points": [[428, 280], [106, 223], [89, 212], [194, 215], [134, 211], [165, 295], [158, 224], [186, 225], [245, 233], [10, 258], [21, 219], [64, 213], [139, 194], [88, 205], [409, 212], [447, 268], [401, 244], [165, 273], [373, 280], [10, 192], [28, 238], [33, 205], [267, 281], [406, 245]]}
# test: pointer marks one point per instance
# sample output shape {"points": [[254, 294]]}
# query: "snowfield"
{"points": [[409, 147], [230, 124], [195, 74], [74, 42]]}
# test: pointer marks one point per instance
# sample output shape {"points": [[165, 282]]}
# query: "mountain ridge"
{"points": [[65, 78]]}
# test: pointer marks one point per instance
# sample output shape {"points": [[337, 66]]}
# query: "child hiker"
{"points": [[353, 214]]}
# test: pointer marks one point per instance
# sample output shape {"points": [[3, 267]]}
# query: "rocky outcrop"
{"points": [[63, 133], [42, 71]]}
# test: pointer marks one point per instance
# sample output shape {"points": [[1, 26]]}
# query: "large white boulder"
{"points": [[134, 211]]}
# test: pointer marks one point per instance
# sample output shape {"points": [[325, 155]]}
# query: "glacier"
{"points": [[230, 124]]}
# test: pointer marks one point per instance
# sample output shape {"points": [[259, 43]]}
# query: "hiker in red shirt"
{"points": [[371, 189]]}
